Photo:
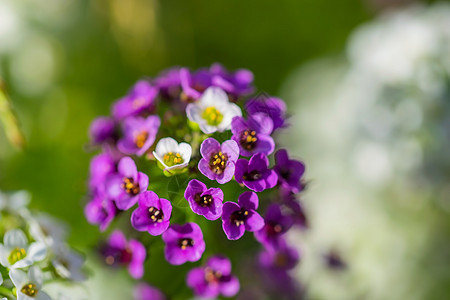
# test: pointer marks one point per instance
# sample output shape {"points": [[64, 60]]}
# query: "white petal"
{"points": [[208, 129], [166, 145], [23, 263], [230, 112], [194, 112], [35, 275], [19, 200], [18, 277], [213, 96], [42, 296], [159, 158], [185, 151], [4, 253], [37, 251], [15, 238]]}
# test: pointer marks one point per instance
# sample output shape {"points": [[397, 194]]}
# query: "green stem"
{"points": [[6, 292], [9, 120]]}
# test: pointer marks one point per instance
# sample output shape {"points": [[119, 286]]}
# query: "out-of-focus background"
{"points": [[367, 84]]}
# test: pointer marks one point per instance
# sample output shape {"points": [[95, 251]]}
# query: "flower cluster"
{"points": [[181, 151], [33, 251]]}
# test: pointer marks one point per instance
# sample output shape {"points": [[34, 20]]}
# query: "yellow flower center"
{"points": [[141, 138], [16, 255], [29, 289], [172, 159], [212, 116], [217, 162]]}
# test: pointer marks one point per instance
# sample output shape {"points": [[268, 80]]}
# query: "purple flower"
{"points": [[253, 134], [218, 161], [289, 171], [213, 279], [255, 173], [102, 130], [100, 211], [183, 243], [140, 99], [169, 84], [143, 291], [276, 224], [152, 214], [241, 216], [236, 84], [294, 207], [120, 252], [203, 201], [100, 168], [283, 258], [274, 108], [139, 134], [194, 84], [125, 185]]}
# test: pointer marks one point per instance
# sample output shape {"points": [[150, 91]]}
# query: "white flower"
{"points": [[213, 111], [15, 201], [15, 252], [171, 154], [47, 229], [68, 263], [29, 286]]}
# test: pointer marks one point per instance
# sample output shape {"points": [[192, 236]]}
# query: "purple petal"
{"points": [[231, 148], [258, 162], [254, 221], [241, 168], [208, 147], [230, 288], [136, 266], [117, 240], [127, 168], [248, 200]]}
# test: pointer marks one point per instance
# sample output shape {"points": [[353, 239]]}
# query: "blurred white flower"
{"points": [[29, 285]]}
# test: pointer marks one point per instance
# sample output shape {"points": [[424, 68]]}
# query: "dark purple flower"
{"points": [[168, 83], [283, 258], [253, 135], [100, 168], [140, 99], [255, 173], [102, 130], [203, 201], [236, 84], [143, 291], [218, 161], [275, 225], [213, 279], [193, 84], [152, 214], [294, 208], [241, 216], [100, 211], [274, 108], [120, 252], [289, 171], [138, 134], [126, 185], [183, 243]]}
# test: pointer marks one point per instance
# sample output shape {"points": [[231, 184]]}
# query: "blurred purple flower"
{"points": [[253, 135], [213, 279], [100, 168], [255, 173], [140, 100], [169, 83], [236, 84], [102, 130], [183, 243], [120, 252], [138, 134], [241, 216], [274, 108], [283, 258], [126, 185], [276, 224], [289, 171], [294, 207], [143, 291], [152, 214], [218, 161], [100, 211], [203, 201]]}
